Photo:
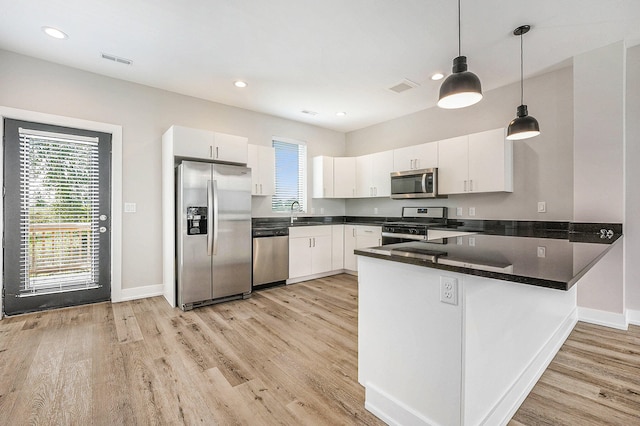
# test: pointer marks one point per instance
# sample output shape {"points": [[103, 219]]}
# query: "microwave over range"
{"points": [[422, 183]]}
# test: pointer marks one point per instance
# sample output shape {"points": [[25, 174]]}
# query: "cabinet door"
{"points": [[381, 168], [453, 165], [426, 155], [253, 163], [404, 159], [267, 158], [344, 177], [337, 247], [490, 162], [349, 247], [321, 254], [230, 148], [322, 177], [192, 143], [364, 187], [300, 257]]}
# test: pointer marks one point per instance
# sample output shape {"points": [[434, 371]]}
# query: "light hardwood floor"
{"points": [[286, 356]]}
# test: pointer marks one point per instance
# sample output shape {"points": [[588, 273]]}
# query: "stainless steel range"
{"points": [[414, 224]]}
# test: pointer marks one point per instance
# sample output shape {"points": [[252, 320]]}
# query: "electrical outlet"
{"points": [[542, 252], [459, 241], [449, 290], [472, 241], [458, 211], [542, 207], [129, 207], [375, 210], [472, 211]]}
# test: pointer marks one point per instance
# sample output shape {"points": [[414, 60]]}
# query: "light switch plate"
{"points": [[472, 211], [458, 211], [542, 251]]}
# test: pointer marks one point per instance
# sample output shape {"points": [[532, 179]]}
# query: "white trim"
{"points": [[390, 410], [116, 181], [604, 318], [506, 408], [633, 317], [141, 292], [313, 277]]}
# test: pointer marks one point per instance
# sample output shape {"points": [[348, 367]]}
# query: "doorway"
{"points": [[57, 216]]}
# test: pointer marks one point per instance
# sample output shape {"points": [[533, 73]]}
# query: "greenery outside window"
{"points": [[291, 175]]}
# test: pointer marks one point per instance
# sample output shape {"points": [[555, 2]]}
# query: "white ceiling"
{"points": [[324, 56]]}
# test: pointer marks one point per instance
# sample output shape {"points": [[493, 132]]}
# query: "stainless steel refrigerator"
{"points": [[213, 242]]}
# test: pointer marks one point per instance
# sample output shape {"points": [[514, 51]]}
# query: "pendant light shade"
{"points": [[523, 126], [462, 88]]}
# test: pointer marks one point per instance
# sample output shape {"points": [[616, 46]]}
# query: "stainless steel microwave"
{"points": [[421, 183]]}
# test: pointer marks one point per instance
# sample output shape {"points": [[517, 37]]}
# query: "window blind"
{"points": [[291, 176], [59, 219]]}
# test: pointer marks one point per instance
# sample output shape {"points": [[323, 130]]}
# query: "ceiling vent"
{"points": [[312, 113], [403, 86], [117, 59]]}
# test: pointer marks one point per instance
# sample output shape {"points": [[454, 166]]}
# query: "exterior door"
{"points": [[57, 216]]}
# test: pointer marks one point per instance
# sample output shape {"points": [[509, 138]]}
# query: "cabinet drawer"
{"points": [[368, 231], [309, 231]]}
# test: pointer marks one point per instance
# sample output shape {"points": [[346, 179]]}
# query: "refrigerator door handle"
{"points": [[210, 204], [215, 217]]}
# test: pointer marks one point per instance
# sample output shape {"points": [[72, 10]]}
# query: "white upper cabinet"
{"points": [[372, 174], [344, 177], [423, 156], [480, 162], [323, 177], [208, 145], [262, 161]]}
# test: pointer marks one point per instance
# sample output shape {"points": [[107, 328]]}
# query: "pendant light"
{"points": [[462, 88], [523, 126]]}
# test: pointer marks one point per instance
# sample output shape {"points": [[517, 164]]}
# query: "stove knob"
{"points": [[413, 231]]}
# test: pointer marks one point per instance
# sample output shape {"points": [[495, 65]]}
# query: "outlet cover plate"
{"points": [[449, 290]]}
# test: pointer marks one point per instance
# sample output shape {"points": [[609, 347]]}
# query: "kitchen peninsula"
{"points": [[457, 331]]}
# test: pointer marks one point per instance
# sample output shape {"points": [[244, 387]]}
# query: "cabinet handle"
{"points": [[217, 153], [314, 241], [353, 192], [354, 232], [210, 151], [256, 188], [417, 163], [471, 185], [260, 188], [379, 241], [375, 191], [411, 164], [309, 242], [465, 186]]}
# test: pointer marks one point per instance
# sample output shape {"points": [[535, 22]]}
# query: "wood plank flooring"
{"points": [[593, 380], [286, 356]]}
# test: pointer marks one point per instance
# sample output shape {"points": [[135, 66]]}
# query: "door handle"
{"points": [[209, 218], [214, 190]]}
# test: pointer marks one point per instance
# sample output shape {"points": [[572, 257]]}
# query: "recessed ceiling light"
{"points": [[341, 114], [240, 83], [54, 32], [437, 76]]}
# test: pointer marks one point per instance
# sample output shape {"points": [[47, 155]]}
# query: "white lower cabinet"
{"points": [[337, 247], [357, 237], [309, 250]]}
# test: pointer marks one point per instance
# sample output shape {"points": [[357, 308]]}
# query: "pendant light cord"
{"points": [[459, 33], [521, 71]]}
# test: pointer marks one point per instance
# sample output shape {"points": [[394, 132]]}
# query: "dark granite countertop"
{"points": [[510, 258]]}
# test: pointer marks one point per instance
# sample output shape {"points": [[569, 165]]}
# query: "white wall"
{"points": [[632, 179], [599, 118], [144, 114], [543, 166]]}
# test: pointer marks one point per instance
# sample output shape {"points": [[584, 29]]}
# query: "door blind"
{"points": [[59, 216]]}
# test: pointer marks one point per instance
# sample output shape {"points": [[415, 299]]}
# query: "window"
{"points": [[291, 175]]}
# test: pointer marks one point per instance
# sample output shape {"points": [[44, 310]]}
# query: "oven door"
{"points": [[414, 184], [393, 238]]}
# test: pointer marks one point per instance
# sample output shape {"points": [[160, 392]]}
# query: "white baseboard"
{"points": [[140, 292], [604, 318], [633, 317], [390, 410], [518, 392], [313, 277]]}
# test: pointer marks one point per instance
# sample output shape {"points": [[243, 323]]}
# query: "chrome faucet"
{"points": [[292, 211]]}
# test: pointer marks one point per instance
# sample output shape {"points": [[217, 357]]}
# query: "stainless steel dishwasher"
{"points": [[270, 256]]}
